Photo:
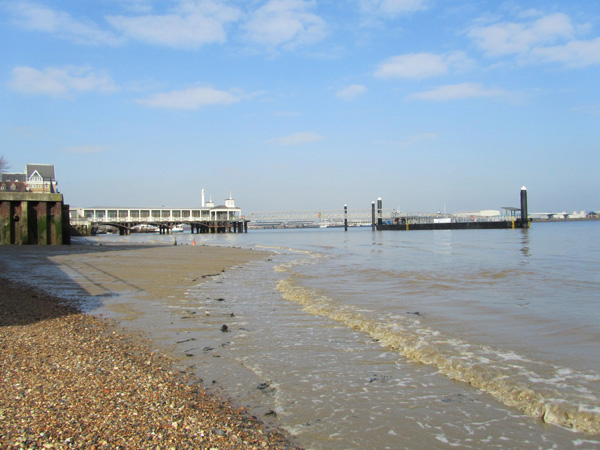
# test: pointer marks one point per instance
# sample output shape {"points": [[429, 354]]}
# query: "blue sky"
{"points": [[294, 104]]}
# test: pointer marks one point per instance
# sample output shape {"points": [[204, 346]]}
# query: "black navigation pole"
{"points": [[345, 217], [373, 216], [524, 213]]}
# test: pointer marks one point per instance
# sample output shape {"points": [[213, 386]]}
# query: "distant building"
{"points": [[37, 178], [577, 215]]}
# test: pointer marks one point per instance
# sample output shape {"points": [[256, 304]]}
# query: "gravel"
{"points": [[71, 380]]}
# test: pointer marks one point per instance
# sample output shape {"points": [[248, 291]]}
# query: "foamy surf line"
{"points": [[506, 376]]}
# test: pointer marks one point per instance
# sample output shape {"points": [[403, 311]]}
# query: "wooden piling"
{"points": [[345, 217], [524, 212], [373, 216], [28, 218]]}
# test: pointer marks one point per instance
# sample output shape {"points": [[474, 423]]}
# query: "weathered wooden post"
{"points": [[345, 217], [524, 213], [373, 216]]}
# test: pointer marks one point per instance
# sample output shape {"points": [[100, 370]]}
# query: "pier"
{"points": [[379, 218], [220, 219], [517, 218], [208, 218]]}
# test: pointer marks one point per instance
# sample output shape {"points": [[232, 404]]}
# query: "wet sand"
{"points": [[72, 380]]}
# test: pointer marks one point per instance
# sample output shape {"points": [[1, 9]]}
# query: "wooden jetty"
{"points": [[438, 222], [28, 218]]}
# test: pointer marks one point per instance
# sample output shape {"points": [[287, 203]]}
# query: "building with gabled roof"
{"points": [[40, 178], [37, 178]]}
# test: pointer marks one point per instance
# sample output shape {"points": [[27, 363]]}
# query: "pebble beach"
{"points": [[73, 380]]}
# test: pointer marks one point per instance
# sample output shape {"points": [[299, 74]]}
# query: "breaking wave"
{"points": [[552, 393]]}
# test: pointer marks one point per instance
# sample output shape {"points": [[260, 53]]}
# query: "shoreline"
{"points": [[75, 380]]}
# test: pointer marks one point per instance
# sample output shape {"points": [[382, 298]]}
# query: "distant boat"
{"points": [[326, 223], [145, 229], [177, 228]]}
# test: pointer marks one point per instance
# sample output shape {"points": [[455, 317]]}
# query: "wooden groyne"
{"points": [[438, 222], [28, 218]]}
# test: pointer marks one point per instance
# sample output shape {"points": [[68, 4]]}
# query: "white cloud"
{"points": [[546, 39], [392, 7], [190, 25], [572, 54], [56, 81], [193, 98], [420, 65], [285, 22], [41, 18], [456, 92], [506, 38], [303, 137], [351, 92]]}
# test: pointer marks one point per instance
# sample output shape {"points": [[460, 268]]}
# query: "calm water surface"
{"points": [[422, 339]]}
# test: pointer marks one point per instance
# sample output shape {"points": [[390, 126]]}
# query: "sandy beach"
{"points": [[72, 380]]}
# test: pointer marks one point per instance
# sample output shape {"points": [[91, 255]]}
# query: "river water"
{"points": [[478, 339]]}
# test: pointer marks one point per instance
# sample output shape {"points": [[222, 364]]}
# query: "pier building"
{"points": [[208, 218]]}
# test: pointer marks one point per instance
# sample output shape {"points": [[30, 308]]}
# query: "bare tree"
{"points": [[3, 164]]}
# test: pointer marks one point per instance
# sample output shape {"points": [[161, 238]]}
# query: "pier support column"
{"points": [[21, 218], [56, 218], [379, 211], [39, 226]]}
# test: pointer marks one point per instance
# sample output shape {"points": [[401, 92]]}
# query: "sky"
{"points": [[431, 105]]}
